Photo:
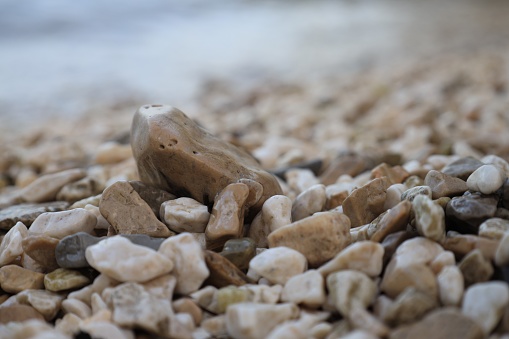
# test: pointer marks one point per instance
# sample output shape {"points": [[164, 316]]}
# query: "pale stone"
{"points": [[17, 313], [393, 195], [429, 218], [359, 334], [363, 256], [187, 305], [276, 212], [100, 283], [497, 161], [462, 244], [393, 220], [77, 307], [61, 224], [299, 328], [318, 237], [46, 187], [14, 279], [300, 179], [11, 244], [486, 179], [308, 202], [189, 262], [350, 289], [263, 293], [243, 320], [306, 288], [409, 306], [230, 295], [102, 223], [112, 152], [215, 326], [450, 286], [418, 250], [443, 185], [337, 193], [485, 302], [494, 228], [278, 264], [107, 330], [122, 260], [64, 279], [204, 297], [161, 287], [97, 303], [185, 215], [68, 324], [33, 329], [502, 254], [47, 303], [442, 260]]}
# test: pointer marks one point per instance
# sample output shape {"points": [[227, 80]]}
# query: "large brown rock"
{"points": [[175, 154]]}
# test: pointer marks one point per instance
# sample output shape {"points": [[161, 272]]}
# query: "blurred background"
{"points": [[60, 58]]}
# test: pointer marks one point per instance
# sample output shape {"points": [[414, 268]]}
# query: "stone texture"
{"points": [[41, 249], [185, 215], [79, 190], [319, 237], [128, 213], [308, 202], [201, 164], [487, 179], [450, 286], [277, 265], [27, 213], [410, 306], [462, 244], [11, 244], [365, 203], [466, 213], [239, 252], [429, 218], [396, 174], [462, 168], [443, 185], [222, 271], [122, 260], [227, 217], [306, 288], [275, 213], [45, 302], [46, 187], [392, 242], [63, 279], [475, 268], [494, 228], [18, 313], [418, 250], [14, 279], [61, 224], [396, 219], [442, 260], [411, 193], [153, 196]]}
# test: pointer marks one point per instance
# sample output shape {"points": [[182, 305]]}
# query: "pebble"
{"points": [[418, 250], [27, 213], [466, 213], [102, 223], [239, 252], [307, 288], [450, 286], [227, 217], [63, 279], [393, 195], [277, 265], [349, 289], [11, 244], [79, 190], [349, 164], [33, 328], [230, 295], [485, 303], [336, 194], [492, 159], [122, 260], [41, 249], [462, 244], [494, 228], [105, 329], [18, 313], [318, 237], [162, 287], [462, 168], [442, 260], [76, 307], [308, 202], [395, 220], [409, 307], [243, 319], [502, 253], [187, 305], [45, 302], [215, 327], [396, 174], [429, 218], [363, 256], [153, 196], [300, 180], [128, 213], [14, 279], [276, 212], [61, 224], [411, 193], [112, 152], [413, 181], [222, 271], [393, 241], [367, 202], [46, 187], [443, 185], [189, 262], [202, 165], [185, 215], [475, 268], [487, 179], [100, 283]]}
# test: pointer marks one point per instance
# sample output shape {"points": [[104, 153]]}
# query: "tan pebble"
{"points": [[320, 330], [308, 202], [450, 286], [94, 201], [319, 237], [443, 185], [396, 219], [79, 190], [204, 297], [335, 196], [494, 228], [475, 268], [100, 283], [185, 215], [229, 295], [345, 164], [359, 334], [359, 233], [77, 307], [46, 302], [255, 191], [14, 279], [413, 181], [187, 305], [61, 224], [396, 174], [112, 152], [300, 179], [497, 161], [63, 279], [299, 328], [216, 326], [102, 315], [306, 288], [41, 249], [102, 223], [429, 218], [25, 177], [46, 187], [277, 264], [442, 260], [222, 271], [11, 244], [275, 213], [381, 306], [68, 324], [362, 319], [18, 313], [462, 244], [393, 197], [438, 161], [411, 193], [409, 306]]}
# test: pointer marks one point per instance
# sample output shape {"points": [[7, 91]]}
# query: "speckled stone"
{"points": [[239, 251], [466, 213], [41, 248], [153, 196], [14, 279], [45, 302], [443, 185], [18, 313], [222, 271], [487, 179], [475, 268], [462, 168], [395, 220], [63, 279], [27, 213], [413, 192]]}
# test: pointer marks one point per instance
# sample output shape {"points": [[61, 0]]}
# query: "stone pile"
{"points": [[205, 243]]}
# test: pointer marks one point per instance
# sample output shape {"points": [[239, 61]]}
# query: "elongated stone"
{"points": [[309, 202], [27, 213], [61, 224], [41, 248], [11, 245], [395, 220], [462, 168], [14, 279], [487, 179], [63, 279], [185, 215], [46, 187]]}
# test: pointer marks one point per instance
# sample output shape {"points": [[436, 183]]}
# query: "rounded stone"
{"points": [[185, 215], [278, 264], [486, 179]]}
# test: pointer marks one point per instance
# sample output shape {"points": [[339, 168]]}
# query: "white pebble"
{"points": [[61, 224], [450, 286], [308, 202], [429, 218], [306, 288], [185, 215], [486, 179], [277, 264]]}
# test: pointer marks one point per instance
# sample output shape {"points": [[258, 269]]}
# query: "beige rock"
{"points": [[300, 179], [409, 306], [336, 194], [299, 328], [112, 152], [11, 244], [494, 228], [229, 295], [61, 224], [63, 279], [393, 195], [418, 250], [308, 202], [276, 213], [359, 334], [396, 174], [450, 286], [306, 288], [185, 215], [122, 260], [216, 326], [429, 218], [443, 185], [350, 289], [68, 324], [41, 249], [14, 279], [475, 268], [153, 196], [45, 302], [18, 313], [227, 217], [277, 265], [128, 213], [222, 271], [486, 179], [502, 254], [46, 187], [411, 193], [187, 305], [80, 189], [442, 260], [77, 307], [161, 287], [100, 283], [97, 303], [396, 219], [462, 244], [106, 330], [201, 164], [205, 297], [319, 237], [102, 223], [365, 203]]}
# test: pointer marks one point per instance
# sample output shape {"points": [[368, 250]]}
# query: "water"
{"points": [[57, 57]]}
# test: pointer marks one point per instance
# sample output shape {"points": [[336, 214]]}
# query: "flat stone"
{"points": [[239, 252], [45, 302], [395, 220], [418, 250], [466, 213], [222, 271], [46, 187], [61, 224], [365, 203], [122, 260], [443, 185], [462, 168], [396, 174], [18, 313], [79, 190], [27, 213], [336, 194], [319, 237], [475, 268], [494, 228], [485, 303], [277, 264], [63, 279], [105, 329], [201, 165], [429, 218], [185, 215], [410, 306], [11, 244], [41, 248], [227, 217], [128, 213], [153, 196], [307, 288], [411, 193], [276, 212], [308, 202], [487, 179], [349, 164], [450, 286]]}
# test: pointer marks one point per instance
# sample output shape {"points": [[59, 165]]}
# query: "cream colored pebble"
{"points": [[308, 202], [450, 285], [277, 264], [185, 215], [306, 288]]}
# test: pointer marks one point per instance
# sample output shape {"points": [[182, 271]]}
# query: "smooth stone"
{"points": [[112, 152], [314, 165], [128, 213], [485, 302], [215, 327], [442, 260], [393, 195], [392, 242], [409, 307], [79, 190], [396, 174], [45, 302], [27, 213], [429, 218], [363, 256], [187, 305], [187, 256], [239, 252], [230, 295], [243, 320], [122, 260], [487, 179], [318, 237], [443, 185], [307, 288], [475, 268], [94, 201], [14, 279], [102, 223], [153, 196], [308, 202], [105, 329], [444, 323], [462, 168], [227, 217], [450, 286], [77, 307], [349, 164], [63, 279], [162, 287], [497, 161], [18, 313], [61, 224], [46, 187], [505, 194], [494, 228], [276, 212], [185, 215], [201, 165], [462, 244], [418, 250], [395, 220], [300, 180], [222, 271], [411, 193], [336, 194], [299, 328], [11, 244], [41, 248], [277, 264], [367, 202], [466, 213], [502, 254], [413, 181]]}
